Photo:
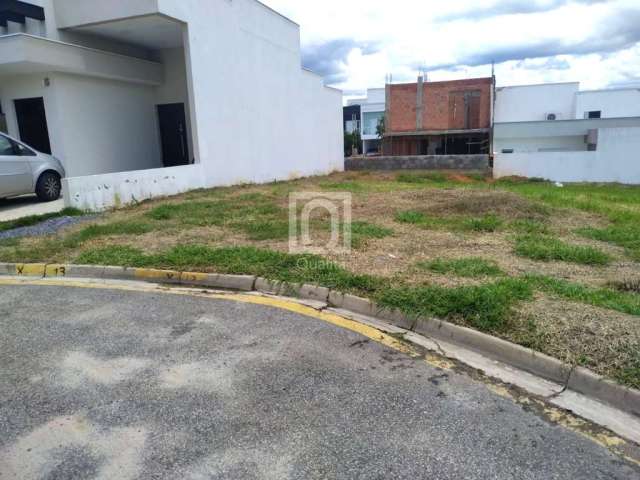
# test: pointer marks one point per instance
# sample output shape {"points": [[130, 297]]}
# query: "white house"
{"points": [[611, 103], [372, 109], [557, 132], [140, 98]]}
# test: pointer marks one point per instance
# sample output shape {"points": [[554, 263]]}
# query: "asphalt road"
{"points": [[122, 385]]}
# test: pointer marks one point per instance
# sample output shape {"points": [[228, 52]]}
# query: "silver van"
{"points": [[24, 170]]}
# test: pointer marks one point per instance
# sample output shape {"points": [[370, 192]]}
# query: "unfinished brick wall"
{"points": [[443, 105]]}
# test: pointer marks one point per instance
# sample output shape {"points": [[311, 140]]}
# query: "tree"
{"points": [[380, 128], [352, 140]]}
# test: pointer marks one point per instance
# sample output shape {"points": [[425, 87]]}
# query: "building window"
{"points": [[507, 150], [370, 122], [593, 114], [351, 126]]}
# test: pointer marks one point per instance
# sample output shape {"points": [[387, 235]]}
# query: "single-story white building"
{"points": [[559, 133], [140, 98]]}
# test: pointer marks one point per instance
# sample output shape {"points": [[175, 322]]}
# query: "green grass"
{"points": [[611, 299], [529, 227], [369, 230], [258, 230], [9, 242], [629, 374], [422, 177], [625, 235], [35, 219], [472, 267], [486, 223], [105, 230], [620, 204], [485, 307], [411, 216], [253, 214], [547, 249], [239, 260], [347, 186]]}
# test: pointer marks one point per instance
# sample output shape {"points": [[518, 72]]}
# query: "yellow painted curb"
{"points": [[153, 274], [55, 270], [30, 269]]}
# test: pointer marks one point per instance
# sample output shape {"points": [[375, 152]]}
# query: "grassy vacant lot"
{"points": [[554, 269]]}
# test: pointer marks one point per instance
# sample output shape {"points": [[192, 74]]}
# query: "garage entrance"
{"points": [[32, 123]]}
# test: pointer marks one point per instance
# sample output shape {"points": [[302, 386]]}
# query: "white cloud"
{"points": [[355, 43]]}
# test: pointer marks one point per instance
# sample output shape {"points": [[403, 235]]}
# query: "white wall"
{"points": [[538, 144], [534, 102], [612, 103], [106, 126], [102, 192], [616, 160], [376, 95], [259, 116]]}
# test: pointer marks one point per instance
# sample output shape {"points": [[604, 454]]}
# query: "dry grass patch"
{"points": [[605, 341]]}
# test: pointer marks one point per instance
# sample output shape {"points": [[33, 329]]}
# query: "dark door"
{"points": [[32, 123], [173, 135]]}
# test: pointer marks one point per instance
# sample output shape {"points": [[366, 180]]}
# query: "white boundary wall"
{"points": [[113, 190], [616, 160]]}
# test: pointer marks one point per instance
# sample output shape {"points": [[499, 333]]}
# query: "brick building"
{"points": [[439, 118]]}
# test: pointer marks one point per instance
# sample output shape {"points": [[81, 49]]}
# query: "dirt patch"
{"points": [[456, 177]]}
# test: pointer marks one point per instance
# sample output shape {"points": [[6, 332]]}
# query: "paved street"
{"points": [[26, 205], [120, 385]]}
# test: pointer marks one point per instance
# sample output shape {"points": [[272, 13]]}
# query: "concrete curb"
{"points": [[578, 379]]}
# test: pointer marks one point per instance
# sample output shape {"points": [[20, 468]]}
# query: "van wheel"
{"points": [[48, 187]]}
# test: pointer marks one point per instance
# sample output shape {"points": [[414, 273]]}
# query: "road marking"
{"points": [[599, 435]]}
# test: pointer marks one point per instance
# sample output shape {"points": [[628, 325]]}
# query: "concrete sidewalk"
{"points": [[26, 205], [107, 383]]}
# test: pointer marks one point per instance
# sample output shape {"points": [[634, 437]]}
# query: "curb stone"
{"points": [[578, 379], [118, 273], [271, 287], [507, 352], [245, 283], [7, 269], [77, 271], [352, 303], [588, 383]]}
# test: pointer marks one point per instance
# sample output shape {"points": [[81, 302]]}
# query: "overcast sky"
{"points": [[355, 43]]}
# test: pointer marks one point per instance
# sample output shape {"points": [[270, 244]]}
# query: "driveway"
{"points": [[27, 205], [103, 383]]}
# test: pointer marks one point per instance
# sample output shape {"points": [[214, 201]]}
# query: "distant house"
{"points": [[154, 97], [367, 112], [557, 132], [439, 118]]}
